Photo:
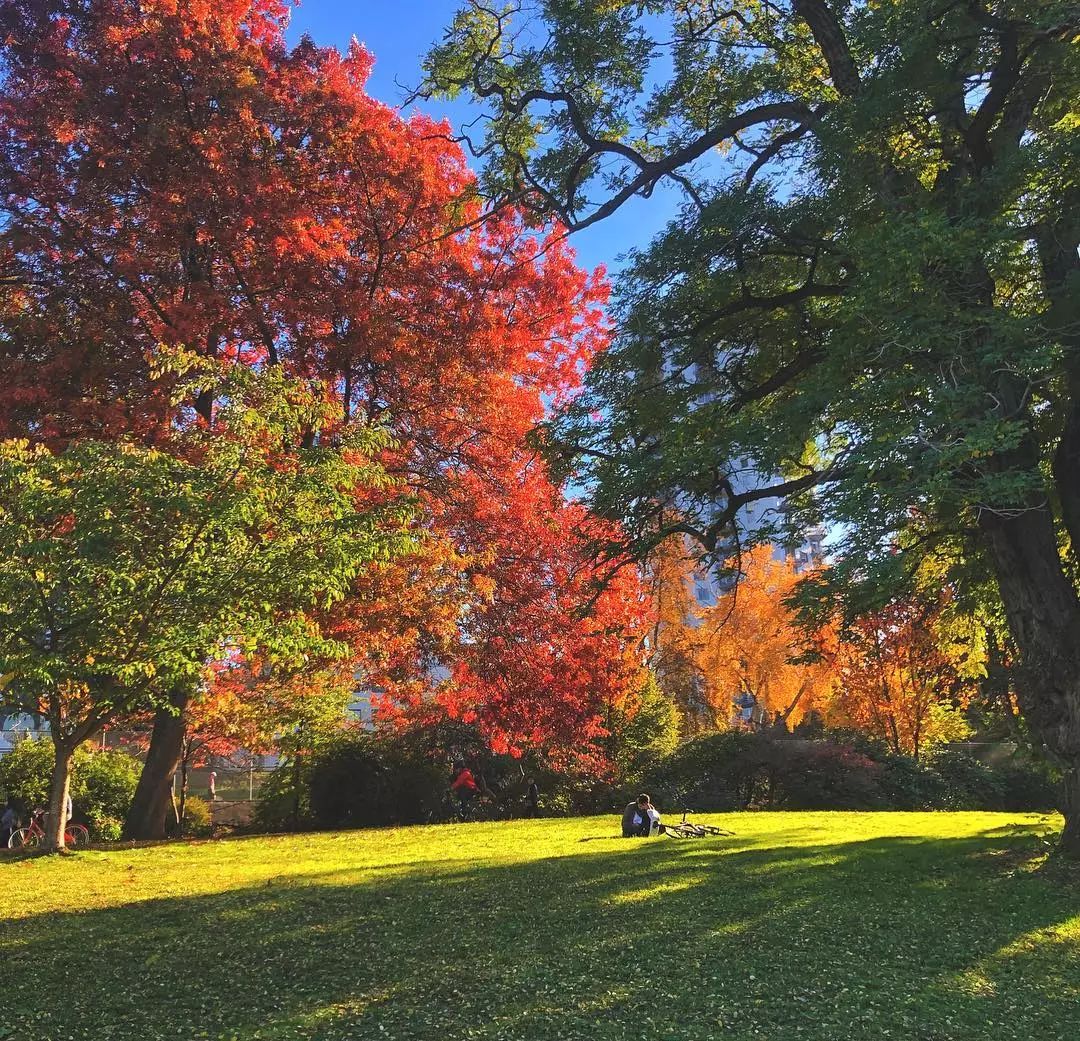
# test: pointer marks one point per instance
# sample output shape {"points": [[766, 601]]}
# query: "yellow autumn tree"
{"points": [[748, 642]]}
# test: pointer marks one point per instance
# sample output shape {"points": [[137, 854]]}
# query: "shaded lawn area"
{"points": [[805, 925]]}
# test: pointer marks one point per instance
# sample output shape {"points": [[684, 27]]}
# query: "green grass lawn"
{"points": [[842, 926]]}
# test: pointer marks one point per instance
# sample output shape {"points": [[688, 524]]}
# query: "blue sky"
{"points": [[399, 34]]}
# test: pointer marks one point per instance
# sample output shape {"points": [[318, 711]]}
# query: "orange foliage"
{"points": [[746, 643], [750, 644], [894, 680]]}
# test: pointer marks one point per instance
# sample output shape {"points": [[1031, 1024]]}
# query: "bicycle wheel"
{"points": [[24, 838], [76, 835]]}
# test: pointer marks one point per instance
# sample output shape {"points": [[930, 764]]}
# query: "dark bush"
{"points": [[361, 780], [909, 785], [751, 770], [822, 776], [357, 780], [967, 784], [716, 772], [744, 770], [1028, 784]]}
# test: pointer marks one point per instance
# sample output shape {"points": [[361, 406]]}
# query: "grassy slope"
{"points": [[826, 926]]}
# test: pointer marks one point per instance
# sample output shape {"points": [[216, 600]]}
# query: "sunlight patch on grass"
{"points": [[655, 892]]}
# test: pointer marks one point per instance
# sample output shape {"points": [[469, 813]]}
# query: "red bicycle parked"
{"points": [[33, 835]]}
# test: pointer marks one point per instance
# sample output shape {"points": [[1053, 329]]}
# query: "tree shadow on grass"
{"points": [[890, 937]]}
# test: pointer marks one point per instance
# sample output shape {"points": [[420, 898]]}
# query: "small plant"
{"points": [[198, 819]]}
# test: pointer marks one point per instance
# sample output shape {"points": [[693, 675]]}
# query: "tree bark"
{"points": [[1070, 837], [150, 807], [181, 815], [59, 786], [1043, 612]]}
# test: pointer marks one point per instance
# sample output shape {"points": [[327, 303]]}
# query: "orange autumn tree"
{"points": [[182, 175], [674, 637], [896, 681], [749, 643]]}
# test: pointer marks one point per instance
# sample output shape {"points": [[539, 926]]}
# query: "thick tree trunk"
{"points": [[1070, 837], [1043, 612], [152, 803], [59, 786]]}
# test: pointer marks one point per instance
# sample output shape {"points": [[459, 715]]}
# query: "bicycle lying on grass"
{"points": [[690, 830], [33, 835]]}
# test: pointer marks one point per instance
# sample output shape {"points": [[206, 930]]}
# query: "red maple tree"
{"points": [[176, 174]]}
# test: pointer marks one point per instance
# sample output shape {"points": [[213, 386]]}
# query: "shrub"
{"points": [[1028, 784], [102, 783], [724, 771], [198, 820], [104, 787], [967, 783], [821, 776], [356, 780], [909, 785], [282, 799], [741, 769], [24, 774], [362, 780]]}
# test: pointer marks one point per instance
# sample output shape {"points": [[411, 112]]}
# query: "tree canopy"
{"points": [[867, 304], [182, 175]]}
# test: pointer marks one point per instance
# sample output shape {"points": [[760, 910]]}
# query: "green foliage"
{"points": [[815, 926], [127, 568], [637, 741], [24, 774], [102, 783], [198, 820]]}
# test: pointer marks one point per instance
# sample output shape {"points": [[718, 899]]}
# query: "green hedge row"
{"points": [[748, 770]]}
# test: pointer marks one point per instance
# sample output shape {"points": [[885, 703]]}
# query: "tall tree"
{"points": [[127, 569], [177, 174], [870, 292]]}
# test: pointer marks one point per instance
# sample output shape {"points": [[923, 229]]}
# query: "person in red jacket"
{"points": [[464, 785]]}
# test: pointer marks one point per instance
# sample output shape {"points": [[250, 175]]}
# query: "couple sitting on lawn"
{"points": [[640, 819]]}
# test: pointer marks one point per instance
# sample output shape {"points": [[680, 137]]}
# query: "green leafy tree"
{"points": [[868, 305], [127, 569], [638, 741]]}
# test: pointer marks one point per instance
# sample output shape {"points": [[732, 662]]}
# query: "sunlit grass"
{"points": [[820, 926]]}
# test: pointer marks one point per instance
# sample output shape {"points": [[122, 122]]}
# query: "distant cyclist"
{"points": [[464, 785]]}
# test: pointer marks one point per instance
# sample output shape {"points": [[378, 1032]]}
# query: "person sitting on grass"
{"points": [[640, 818]]}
